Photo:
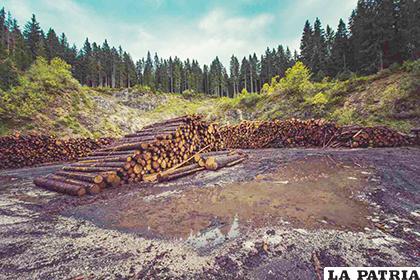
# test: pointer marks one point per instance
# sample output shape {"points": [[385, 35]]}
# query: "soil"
{"points": [[274, 216]]}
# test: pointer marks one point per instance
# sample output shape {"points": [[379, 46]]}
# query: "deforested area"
{"points": [[209, 139]]}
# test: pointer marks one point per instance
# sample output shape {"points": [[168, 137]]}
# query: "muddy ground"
{"points": [[282, 214]]}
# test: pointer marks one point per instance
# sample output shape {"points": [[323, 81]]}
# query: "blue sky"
{"points": [[196, 29]]}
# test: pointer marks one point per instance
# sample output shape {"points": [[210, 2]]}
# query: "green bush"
{"points": [[412, 66], [37, 88], [344, 75], [297, 81], [344, 116]]}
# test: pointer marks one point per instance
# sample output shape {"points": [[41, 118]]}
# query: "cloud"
{"points": [[217, 33], [220, 30], [218, 22]]}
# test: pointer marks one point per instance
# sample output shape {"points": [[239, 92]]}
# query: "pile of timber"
{"points": [[28, 150], [139, 156], [275, 134], [204, 161], [309, 133], [363, 137]]}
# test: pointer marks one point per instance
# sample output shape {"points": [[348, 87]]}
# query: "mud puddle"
{"points": [[317, 192]]}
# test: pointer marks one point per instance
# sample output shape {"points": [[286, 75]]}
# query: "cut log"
{"points": [[113, 153], [217, 162], [91, 178], [61, 187], [88, 169], [91, 188], [142, 157], [98, 164], [177, 175]]}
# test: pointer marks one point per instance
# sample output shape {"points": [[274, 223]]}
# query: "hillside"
{"points": [[49, 100]]}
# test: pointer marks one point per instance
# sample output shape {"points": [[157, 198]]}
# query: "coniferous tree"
{"points": [[19, 53], [206, 82], [216, 77], [176, 75], [382, 32], [306, 45], [140, 70], [33, 36], [385, 25], [148, 71], [234, 74], [243, 74], [52, 44], [340, 52], [3, 34], [408, 32], [365, 38], [319, 56]]}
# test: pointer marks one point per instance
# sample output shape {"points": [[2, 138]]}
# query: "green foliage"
{"points": [[37, 88], [319, 99], [142, 89], [4, 129], [297, 81], [244, 91], [190, 94], [8, 74], [344, 116], [412, 66]]}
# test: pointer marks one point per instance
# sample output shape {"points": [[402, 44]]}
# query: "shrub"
{"points": [[319, 99], [297, 80], [344, 115], [38, 87], [244, 91], [344, 75], [412, 66], [249, 100]]}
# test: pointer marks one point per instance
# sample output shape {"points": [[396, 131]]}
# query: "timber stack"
{"points": [[28, 150], [139, 156], [278, 134], [363, 137], [309, 133]]}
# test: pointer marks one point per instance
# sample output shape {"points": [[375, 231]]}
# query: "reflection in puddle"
{"points": [[214, 236], [312, 193]]}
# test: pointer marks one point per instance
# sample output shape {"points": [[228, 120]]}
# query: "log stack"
{"points": [[27, 150], [278, 134], [139, 156], [309, 133], [363, 137]]}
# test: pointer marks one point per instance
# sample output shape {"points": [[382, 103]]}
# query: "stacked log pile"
{"points": [[309, 133], [275, 134], [140, 156], [363, 137], [28, 150]]}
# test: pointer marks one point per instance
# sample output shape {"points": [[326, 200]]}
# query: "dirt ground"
{"points": [[281, 214]]}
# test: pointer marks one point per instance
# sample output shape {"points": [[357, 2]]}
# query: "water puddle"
{"points": [[318, 192]]}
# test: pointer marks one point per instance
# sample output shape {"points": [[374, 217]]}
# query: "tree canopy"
{"points": [[378, 34]]}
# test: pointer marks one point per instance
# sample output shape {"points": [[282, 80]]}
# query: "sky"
{"points": [[200, 29]]}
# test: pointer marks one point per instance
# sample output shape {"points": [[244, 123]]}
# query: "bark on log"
{"points": [[217, 162], [53, 185], [91, 188], [91, 178]]}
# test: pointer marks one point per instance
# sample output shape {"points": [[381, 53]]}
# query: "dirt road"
{"points": [[282, 214]]}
